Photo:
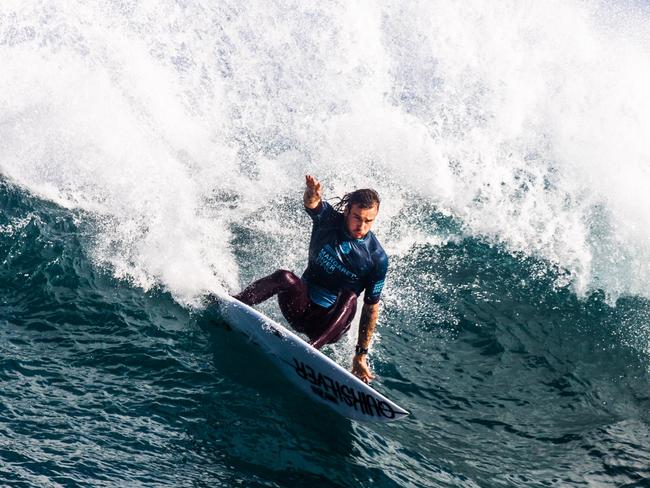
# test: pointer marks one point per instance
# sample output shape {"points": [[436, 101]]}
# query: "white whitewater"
{"points": [[175, 125]]}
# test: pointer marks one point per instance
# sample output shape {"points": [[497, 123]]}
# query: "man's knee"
{"points": [[285, 278], [348, 297]]}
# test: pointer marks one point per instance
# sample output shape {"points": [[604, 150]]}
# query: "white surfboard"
{"points": [[310, 370]]}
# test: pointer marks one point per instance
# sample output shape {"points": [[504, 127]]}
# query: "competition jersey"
{"points": [[338, 261]]}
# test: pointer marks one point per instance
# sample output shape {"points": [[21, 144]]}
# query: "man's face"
{"points": [[358, 221]]}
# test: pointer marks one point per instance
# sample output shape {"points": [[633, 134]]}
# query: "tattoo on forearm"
{"points": [[369, 315]]}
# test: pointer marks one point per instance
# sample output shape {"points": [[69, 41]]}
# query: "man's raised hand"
{"points": [[313, 192]]}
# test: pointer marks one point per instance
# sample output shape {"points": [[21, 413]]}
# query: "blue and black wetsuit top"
{"points": [[338, 261]]}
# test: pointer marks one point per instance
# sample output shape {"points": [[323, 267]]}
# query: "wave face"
{"points": [[152, 152]]}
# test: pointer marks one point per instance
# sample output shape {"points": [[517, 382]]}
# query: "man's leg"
{"points": [[294, 301], [321, 325], [293, 296], [280, 282], [337, 321]]}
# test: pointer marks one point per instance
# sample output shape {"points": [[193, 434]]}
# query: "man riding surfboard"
{"points": [[345, 259]]}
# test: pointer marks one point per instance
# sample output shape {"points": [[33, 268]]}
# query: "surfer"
{"points": [[345, 258]]}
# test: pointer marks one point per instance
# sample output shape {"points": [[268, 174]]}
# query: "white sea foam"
{"points": [[173, 122]]}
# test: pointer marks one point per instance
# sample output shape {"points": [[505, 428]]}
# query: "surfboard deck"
{"points": [[316, 375]]}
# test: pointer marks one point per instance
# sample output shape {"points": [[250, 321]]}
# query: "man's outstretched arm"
{"points": [[313, 192], [367, 324]]}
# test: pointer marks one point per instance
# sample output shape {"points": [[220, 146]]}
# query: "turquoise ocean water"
{"points": [[152, 152]]}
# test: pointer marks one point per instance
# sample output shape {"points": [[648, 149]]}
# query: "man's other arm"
{"points": [[367, 324]]}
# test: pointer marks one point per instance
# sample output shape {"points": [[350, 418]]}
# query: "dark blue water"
{"points": [[511, 380]]}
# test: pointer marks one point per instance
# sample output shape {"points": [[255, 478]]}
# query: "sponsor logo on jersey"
{"points": [[329, 262], [376, 290]]}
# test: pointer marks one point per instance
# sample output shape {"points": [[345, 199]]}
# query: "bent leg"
{"points": [[294, 301], [338, 319], [282, 281]]}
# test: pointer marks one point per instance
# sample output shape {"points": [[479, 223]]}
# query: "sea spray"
{"points": [[173, 122]]}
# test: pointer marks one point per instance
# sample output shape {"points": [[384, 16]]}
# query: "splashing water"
{"points": [[167, 124]]}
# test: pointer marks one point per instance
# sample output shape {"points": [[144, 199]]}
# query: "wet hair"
{"points": [[364, 198]]}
